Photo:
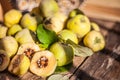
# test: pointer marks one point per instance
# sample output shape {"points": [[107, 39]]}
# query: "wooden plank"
{"points": [[103, 9], [76, 62], [115, 3], [104, 65]]}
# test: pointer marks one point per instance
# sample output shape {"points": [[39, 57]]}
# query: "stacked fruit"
{"points": [[45, 38]]}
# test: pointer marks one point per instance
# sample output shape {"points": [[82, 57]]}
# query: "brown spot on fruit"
{"points": [[97, 40], [19, 65], [4, 60], [72, 1], [82, 20], [1, 58], [16, 62]]}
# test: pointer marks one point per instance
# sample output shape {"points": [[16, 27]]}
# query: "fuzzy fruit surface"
{"points": [[48, 7], [12, 17], [4, 60], [94, 40], [19, 65], [14, 29], [67, 34], [79, 24], [63, 53], [24, 36], [3, 31], [9, 44], [29, 22]]}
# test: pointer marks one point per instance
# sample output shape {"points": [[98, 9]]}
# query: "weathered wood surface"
{"points": [[103, 9], [103, 65]]}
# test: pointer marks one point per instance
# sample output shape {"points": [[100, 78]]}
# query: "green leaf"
{"points": [[80, 50], [65, 78], [46, 36], [43, 46], [63, 69], [55, 77], [58, 77]]}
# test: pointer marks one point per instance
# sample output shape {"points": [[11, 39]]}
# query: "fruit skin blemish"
{"points": [[4, 60], [19, 65]]}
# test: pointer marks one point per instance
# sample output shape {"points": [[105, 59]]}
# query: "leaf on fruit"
{"points": [[80, 50], [58, 77], [43, 46], [55, 77], [65, 78], [45, 36], [63, 69]]}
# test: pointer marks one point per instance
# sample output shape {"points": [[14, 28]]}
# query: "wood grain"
{"points": [[112, 3], [103, 9]]}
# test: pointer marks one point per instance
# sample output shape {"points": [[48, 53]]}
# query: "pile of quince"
{"points": [[45, 38]]}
